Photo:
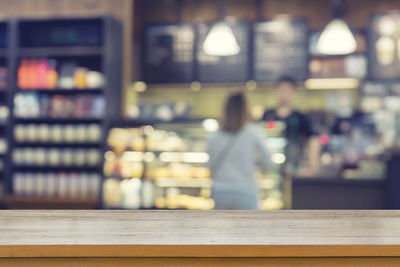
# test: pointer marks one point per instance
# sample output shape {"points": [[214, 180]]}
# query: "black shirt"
{"points": [[298, 127], [297, 132]]}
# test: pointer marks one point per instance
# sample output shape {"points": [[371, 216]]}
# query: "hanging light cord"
{"points": [[338, 8], [179, 10], [259, 9], [221, 9]]}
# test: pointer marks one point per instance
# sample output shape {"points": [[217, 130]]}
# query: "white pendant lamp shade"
{"points": [[336, 39], [221, 41]]}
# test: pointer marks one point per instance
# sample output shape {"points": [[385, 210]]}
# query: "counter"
{"points": [[206, 238], [340, 193]]}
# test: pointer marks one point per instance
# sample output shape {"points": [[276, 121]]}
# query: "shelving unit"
{"points": [[49, 203], [57, 145], [96, 45], [50, 168], [62, 51], [58, 120], [63, 91]]}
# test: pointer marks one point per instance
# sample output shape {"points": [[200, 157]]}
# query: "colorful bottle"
{"points": [[80, 78], [51, 75], [41, 70], [22, 75], [32, 74]]}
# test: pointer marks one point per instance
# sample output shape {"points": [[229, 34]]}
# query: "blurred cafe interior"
{"points": [[108, 104]]}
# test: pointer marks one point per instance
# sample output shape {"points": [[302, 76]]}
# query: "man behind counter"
{"points": [[298, 131]]}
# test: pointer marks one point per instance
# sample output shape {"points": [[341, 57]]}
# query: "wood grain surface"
{"points": [[215, 262], [199, 233]]}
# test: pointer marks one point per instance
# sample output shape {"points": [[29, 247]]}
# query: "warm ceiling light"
{"points": [[336, 39], [221, 41]]}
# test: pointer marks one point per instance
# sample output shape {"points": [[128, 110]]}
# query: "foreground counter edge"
{"points": [[198, 251], [199, 234]]}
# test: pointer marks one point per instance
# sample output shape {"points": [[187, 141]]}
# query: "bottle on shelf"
{"points": [[32, 74], [22, 74], [3, 77], [80, 78], [84, 186], [51, 75], [41, 74]]}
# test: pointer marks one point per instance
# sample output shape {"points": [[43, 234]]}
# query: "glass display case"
{"points": [[163, 166]]}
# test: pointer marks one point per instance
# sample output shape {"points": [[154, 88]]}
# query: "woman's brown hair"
{"points": [[235, 113]]}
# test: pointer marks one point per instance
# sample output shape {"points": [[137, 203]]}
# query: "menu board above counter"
{"points": [[215, 69], [169, 51], [280, 49], [61, 32], [384, 44]]}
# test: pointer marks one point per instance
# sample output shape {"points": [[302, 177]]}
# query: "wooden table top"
{"points": [[199, 233]]}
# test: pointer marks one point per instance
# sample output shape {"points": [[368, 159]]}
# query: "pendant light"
{"points": [[337, 38], [221, 41]]}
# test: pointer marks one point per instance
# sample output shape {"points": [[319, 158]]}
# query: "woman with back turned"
{"points": [[234, 152]]}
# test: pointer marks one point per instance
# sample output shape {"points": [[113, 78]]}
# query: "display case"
{"points": [[163, 166], [64, 90]]}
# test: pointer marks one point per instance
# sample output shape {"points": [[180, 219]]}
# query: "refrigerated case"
{"points": [[61, 92], [163, 166]]}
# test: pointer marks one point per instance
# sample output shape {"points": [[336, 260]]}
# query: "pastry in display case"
{"points": [[164, 166], [272, 182], [161, 160], [182, 180], [381, 100]]}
